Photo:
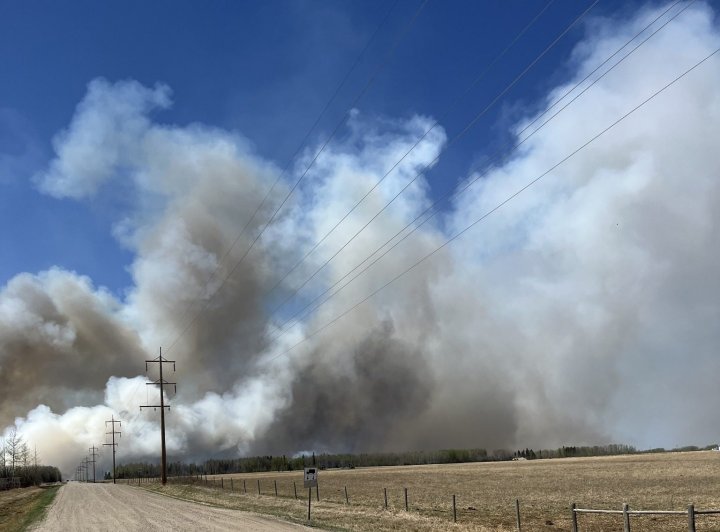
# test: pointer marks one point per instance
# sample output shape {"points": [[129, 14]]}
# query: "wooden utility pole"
{"points": [[114, 445], [162, 406], [92, 452]]}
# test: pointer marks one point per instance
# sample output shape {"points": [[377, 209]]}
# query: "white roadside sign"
{"points": [[311, 474]]}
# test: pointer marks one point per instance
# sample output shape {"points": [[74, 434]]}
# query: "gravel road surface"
{"points": [[100, 507]]}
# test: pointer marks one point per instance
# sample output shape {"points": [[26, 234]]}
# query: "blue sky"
{"points": [[263, 69]]}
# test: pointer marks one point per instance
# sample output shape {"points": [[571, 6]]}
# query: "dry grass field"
{"points": [[486, 494]]}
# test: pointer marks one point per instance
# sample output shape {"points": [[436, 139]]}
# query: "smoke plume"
{"points": [[583, 311]]}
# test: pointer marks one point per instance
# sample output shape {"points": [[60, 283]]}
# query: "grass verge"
{"points": [[325, 515], [22, 508]]}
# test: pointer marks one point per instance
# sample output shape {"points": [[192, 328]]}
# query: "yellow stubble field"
{"points": [[485, 494]]}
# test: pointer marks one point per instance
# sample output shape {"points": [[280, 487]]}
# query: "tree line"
{"points": [[277, 463], [572, 451], [20, 466]]}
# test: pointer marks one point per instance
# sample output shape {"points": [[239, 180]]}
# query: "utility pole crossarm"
{"points": [[162, 383], [157, 360]]}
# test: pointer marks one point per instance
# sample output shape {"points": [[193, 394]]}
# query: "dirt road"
{"points": [[100, 507]]}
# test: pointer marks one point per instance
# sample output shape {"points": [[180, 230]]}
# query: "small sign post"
{"points": [[310, 482]]}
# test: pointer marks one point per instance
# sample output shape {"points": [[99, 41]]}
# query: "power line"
{"points": [[467, 127], [334, 95], [478, 78], [359, 96], [497, 207], [447, 111], [344, 119], [494, 158], [457, 137], [303, 142], [340, 123], [526, 128]]}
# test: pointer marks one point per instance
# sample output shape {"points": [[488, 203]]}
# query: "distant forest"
{"points": [[267, 464], [19, 466], [30, 475]]}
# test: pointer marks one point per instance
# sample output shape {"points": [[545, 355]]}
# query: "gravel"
{"points": [[113, 507]]}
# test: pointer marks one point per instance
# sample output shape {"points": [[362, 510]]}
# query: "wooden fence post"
{"points": [[385, 489], [347, 501], [317, 491], [691, 518], [454, 511], [309, 502], [517, 514], [626, 518], [406, 504], [573, 515], [295, 488], [232, 487], [258, 480], [244, 486], [275, 488], [222, 483]]}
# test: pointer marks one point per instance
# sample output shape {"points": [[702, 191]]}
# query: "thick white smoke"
{"points": [[583, 311]]}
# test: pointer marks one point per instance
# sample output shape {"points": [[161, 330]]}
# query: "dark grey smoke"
{"points": [[61, 346], [381, 386]]}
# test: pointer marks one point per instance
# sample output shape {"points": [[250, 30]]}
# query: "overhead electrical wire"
{"points": [[474, 83], [457, 137], [358, 97], [517, 192], [494, 158], [497, 207], [304, 141], [301, 145], [437, 122]]}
